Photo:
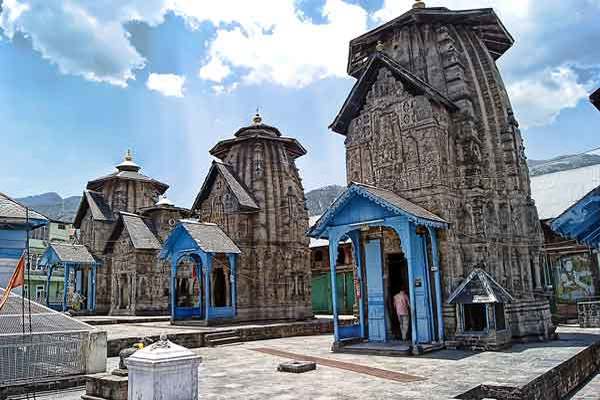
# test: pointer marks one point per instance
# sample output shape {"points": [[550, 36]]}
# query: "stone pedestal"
{"points": [[163, 370], [105, 387]]}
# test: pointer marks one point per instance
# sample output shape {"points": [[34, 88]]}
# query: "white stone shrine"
{"points": [[163, 370]]}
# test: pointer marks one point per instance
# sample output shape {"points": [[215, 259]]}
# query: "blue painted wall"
{"points": [[12, 244]]}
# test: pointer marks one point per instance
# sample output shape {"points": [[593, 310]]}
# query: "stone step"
{"points": [[220, 335], [223, 341]]}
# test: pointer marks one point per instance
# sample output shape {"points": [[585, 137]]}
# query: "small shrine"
{"points": [[481, 314], [203, 272], [79, 269]]}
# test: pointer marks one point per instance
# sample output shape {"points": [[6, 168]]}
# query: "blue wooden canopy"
{"points": [[201, 242], [363, 198], [581, 221], [362, 207], [71, 257]]}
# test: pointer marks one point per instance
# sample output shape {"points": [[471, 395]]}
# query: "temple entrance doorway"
{"points": [[397, 280], [188, 288]]}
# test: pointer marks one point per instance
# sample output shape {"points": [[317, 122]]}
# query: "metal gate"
{"points": [[41, 356]]}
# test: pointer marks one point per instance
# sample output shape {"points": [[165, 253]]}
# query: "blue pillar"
{"points": [[333, 245], [422, 239], [233, 281], [172, 285], [198, 269], [407, 236], [65, 286], [438, 282], [48, 286], [355, 237], [93, 289], [207, 288]]}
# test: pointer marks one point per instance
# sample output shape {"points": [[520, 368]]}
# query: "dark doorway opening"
{"points": [[475, 317], [397, 280], [219, 288]]}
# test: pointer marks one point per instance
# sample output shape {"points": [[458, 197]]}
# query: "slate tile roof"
{"points": [[236, 187], [75, 253], [240, 192], [356, 99], [383, 197], [98, 206], [11, 209], [139, 232], [209, 237], [43, 319], [400, 202], [479, 287]]}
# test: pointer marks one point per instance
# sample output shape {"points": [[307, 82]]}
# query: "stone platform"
{"points": [[391, 349], [125, 335], [528, 371]]}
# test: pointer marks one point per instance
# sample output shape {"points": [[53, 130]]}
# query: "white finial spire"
{"points": [[164, 201], [128, 164]]}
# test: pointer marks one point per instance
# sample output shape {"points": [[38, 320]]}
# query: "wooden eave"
{"points": [[293, 147], [494, 34], [356, 99]]}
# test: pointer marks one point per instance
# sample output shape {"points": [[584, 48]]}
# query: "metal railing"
{"points": [[42, 356]]}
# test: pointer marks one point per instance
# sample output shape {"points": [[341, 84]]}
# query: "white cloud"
{"points": [[166, 84], [259, 40], [507, 9], [214, 71], [273, 41], [540, 99], [267, 41], [83, 38]]}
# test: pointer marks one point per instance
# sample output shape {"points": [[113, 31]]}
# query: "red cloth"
{"points": [[17, 280], [402, 304]]}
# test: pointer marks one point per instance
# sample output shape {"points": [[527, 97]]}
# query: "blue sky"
{"points": [[81, 81]]}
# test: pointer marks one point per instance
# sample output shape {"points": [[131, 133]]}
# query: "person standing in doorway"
{"points": [[402, 306]]}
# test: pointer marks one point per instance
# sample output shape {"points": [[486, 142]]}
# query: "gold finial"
{"points": [[419, 4], [379, 46], [128, 156], [257, 119]]}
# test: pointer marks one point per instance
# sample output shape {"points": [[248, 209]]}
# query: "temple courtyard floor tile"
{"points": [[249, 370]]}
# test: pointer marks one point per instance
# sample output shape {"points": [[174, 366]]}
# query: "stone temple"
{"points": [[255, 195], [123, 222], [429, 125]]}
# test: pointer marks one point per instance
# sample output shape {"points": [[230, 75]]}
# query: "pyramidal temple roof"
{"points": [[479, 287], [493, 34], [258, 130], [127, 169]]}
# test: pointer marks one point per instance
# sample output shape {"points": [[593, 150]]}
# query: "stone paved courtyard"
{"points": [[240, 372]]}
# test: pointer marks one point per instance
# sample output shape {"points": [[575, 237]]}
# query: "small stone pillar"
{"points": [[163, 370]]}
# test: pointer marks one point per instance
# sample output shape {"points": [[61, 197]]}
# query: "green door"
{"points": [[321, 294]]}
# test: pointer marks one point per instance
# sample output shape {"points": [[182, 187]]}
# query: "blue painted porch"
{"points": [[362, 213]]}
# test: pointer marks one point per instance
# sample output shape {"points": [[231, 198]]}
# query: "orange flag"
{"points": [[17, 279]]}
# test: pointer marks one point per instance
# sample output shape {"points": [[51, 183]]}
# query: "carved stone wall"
{"points": [[139, 280], [467, 166], [94, 234], [274, 274]]}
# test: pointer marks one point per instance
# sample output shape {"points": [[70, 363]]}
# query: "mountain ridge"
{"points": [[52, 205]]}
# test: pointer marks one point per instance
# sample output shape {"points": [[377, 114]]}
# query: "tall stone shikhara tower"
{"points": [[430, 119], [256, 196]]}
